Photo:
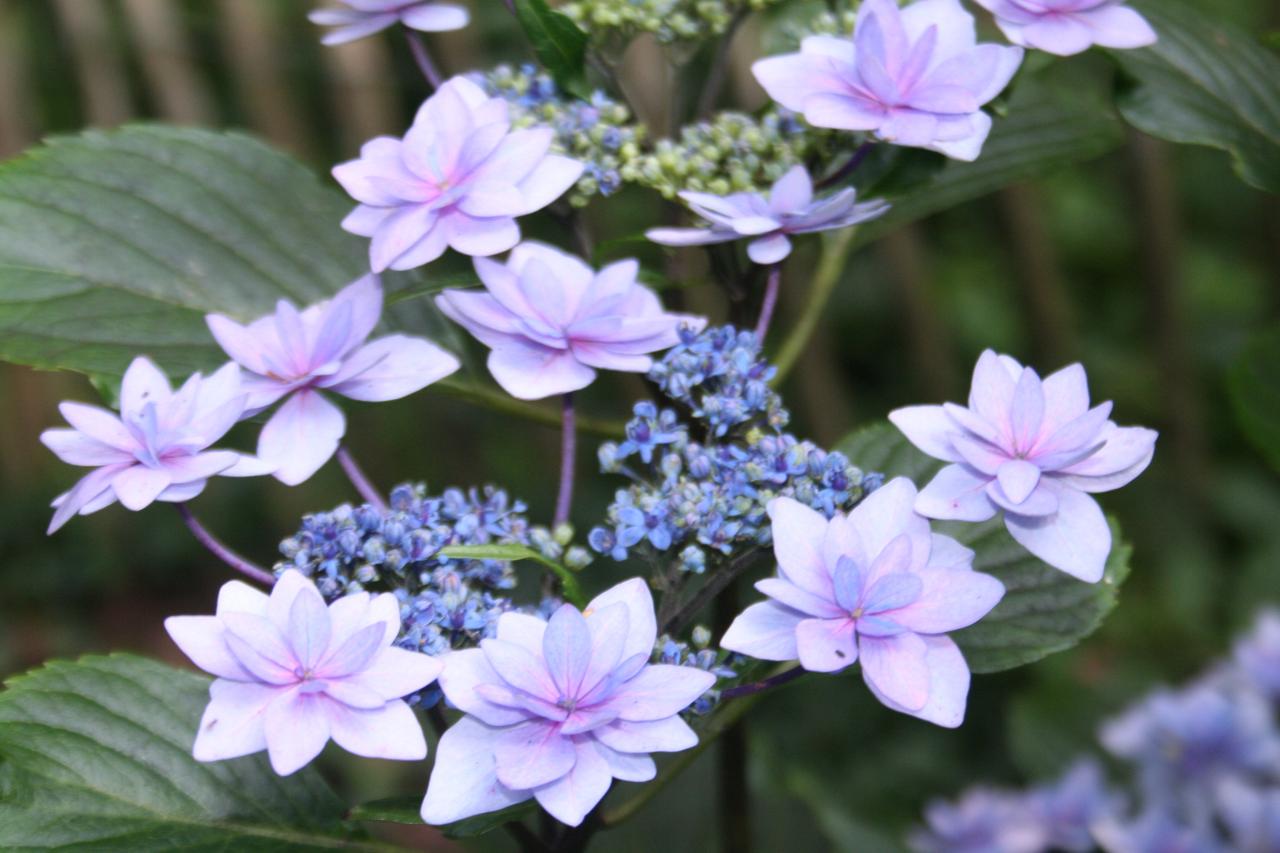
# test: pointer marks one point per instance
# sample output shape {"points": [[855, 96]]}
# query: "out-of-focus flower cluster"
{"points": [[669, 20], [600, 133], [699, 654], [1204, 775], [444, 603], [732, 152], [702, 479]]}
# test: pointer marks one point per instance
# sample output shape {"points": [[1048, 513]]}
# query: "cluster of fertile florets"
{"points": [[692, 496], [731, 152], [599, 132], [668, 20], [1203, 766]]}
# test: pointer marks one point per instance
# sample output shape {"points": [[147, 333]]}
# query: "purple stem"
{"points": [[765, 684], [222, 552], [854, 161], [568, 450], [423, 58], [770, 301], [360, 481]]}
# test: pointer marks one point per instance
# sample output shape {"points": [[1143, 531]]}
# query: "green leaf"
{"points": [[406, 810], [391, 810], [96, 754], [568, 581], [1206, 82], [482, 823], [431, 286], [1254, 383], [115, 243], [1044, 610], [557, 42]]}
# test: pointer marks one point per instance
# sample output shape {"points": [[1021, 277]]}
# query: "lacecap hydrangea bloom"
{"points": [[1067, 27], [789, 209], [156, 448], [1035, 450], [458, 179], [980, 821], [557, 710], [914, 76], [293, 672], [362, 18], [296, 354], [1257, 655], [551, 321], [874, 586]]}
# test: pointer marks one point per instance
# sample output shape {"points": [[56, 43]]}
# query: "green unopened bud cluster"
{"points": [[668, 20]]}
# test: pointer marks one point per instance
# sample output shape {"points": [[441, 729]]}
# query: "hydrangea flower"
{"points": [[981, 821], [874, 586], [914, 76], [365, 17], [1251, 814], [789, 209], [551, 321], [1067, 27], [294, 354], [1067, 808], [1034, 449], [156, 448], [293, 673], [459, 178], [1257, 655], [1157, 830], [557, 710]]}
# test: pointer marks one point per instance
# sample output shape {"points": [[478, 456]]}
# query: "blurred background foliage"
{"points": [[1153, 265]]}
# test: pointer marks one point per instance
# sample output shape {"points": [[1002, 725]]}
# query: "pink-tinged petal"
{"points": [[365, 26], [982, 456], [202, 466], [947, 553], [520, 669], [201, 639], [258, 647], [842, 540], [287, 587], [609, 629], [75, 448], [566, 648], [143, 383], [1066, 397], [348, 692], [888, 512], [365, 220], [137, 486], [233, 722], [1043, 499], [350, 615], [667, 735], [352, 655], [1063, 35], [480, 237], [602, 357], [435, 17], [958, 493], [301, 436], [792, 192], [1126, 453], [464, 781], [397, 672], [1119, 27], [587, 719], [689, 236], [179, 493], [92, 492], [788, 79], [426, 250], [1018, 479], [532, 754], [627, 767], [99, 424], [929, 428], [844, 112], [549, 180], [1026, 411], [399, 233], [826, 645], [991, 395], [239, 342], [517, 156], [965, 146], [642, 624], [660, 690], [571, 797], [766, 631], [391, 732], [769, 250], [527, 631], [390, 368], [948, 685], [786, 593], [531, 372], [239, 597], [463, 672], [492, 198], [798, 534], [297, 728], [956, 29], [1076, 539], [950, 600], [897, 667], [909, 127]]}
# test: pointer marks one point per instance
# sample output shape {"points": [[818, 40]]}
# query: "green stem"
{"points": [[835, 250], [472, 393]]}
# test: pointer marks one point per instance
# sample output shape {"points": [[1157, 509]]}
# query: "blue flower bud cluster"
{"points": [[1203, 774], [444, 603], [699, 655], [706, 498], [599, 132]]}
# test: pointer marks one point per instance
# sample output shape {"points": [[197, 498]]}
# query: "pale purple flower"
{"points": [[365, 17], [1251, 814], [551, 321], [914, 76], [293, 672], [1067, 27], [789, 209], [557, 710], [1257, 655], [459, 178], [1034, 449], [980, 821], [156, 448], [295, 354], [1068, 808], [874, 586]]}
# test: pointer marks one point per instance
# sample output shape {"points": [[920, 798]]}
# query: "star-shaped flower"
{"points": [[365, 17], [1067, 27]]}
